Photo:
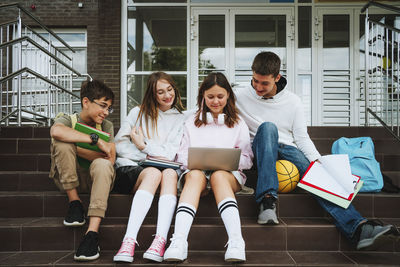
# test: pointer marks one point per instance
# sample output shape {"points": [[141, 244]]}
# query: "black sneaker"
{"points": [[75, 215], [372, 234], [88, 249], [267, 214]]}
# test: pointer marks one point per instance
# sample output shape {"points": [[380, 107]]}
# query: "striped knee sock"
{"points": [[229, 211], [184, 218]]}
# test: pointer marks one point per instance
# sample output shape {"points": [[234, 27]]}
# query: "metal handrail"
{"points": [[382, 86], [383, 124], [8, 23], [384, 6], [26, 38], [384, 25], [34, 73], [41, 82], [43, 39], [29, 14]]}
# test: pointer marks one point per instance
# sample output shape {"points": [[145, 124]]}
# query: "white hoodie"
{"points": [[285, 110], [163, 143]]}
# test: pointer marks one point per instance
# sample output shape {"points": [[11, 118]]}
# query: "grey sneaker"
{"points": [[267, 213], [373, 234]]}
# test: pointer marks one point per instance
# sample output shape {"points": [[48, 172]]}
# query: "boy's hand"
{"points": [[89, 154], [137, 137], [108, 149]]}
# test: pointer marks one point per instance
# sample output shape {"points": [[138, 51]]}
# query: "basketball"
{"points": [[288, 176]]}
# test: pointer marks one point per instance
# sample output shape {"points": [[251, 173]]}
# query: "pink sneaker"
{"points": [[127, 250], [156, 250]]}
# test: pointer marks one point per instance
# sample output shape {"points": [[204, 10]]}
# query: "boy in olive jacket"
{"points": [[69, 176]]}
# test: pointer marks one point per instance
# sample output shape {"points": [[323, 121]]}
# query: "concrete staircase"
{"points": [[32, 210]]}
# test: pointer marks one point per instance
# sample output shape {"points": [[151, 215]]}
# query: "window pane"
{"points": [[78, 58], [304, 84], [336, 31], [304, 50], [132, 2], [227, 1], [137, 87], [256, 33], [336, 42], [72, 39], [156, 38], [211, 44]]}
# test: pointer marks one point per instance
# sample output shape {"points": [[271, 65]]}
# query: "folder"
{"points": [[159, 163], [332, 180], [83, 128]]}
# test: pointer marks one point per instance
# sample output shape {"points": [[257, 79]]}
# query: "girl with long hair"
{"points": [[154, 129], [215, 124]]}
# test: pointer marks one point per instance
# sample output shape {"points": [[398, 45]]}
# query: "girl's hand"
{"points": [[137, 137]]}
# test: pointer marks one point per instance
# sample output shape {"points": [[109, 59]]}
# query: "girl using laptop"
{"points": [[153, 129], [215, 124]]}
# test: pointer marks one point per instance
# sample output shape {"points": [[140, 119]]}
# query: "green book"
{"points": [[83, 128]]}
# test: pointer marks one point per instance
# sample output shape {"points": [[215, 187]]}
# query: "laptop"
{"points": [[207, 158]]}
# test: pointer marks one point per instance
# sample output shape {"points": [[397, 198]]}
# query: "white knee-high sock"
{"points": [[166, 208], [184, 218], [141, 204], [229, 211]]}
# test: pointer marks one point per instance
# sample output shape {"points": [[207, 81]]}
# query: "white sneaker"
{"points": [[235, 251], [177, 250]]}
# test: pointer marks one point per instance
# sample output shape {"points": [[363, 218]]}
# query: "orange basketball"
{"points": [[288, 176]]}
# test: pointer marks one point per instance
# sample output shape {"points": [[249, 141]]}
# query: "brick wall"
{"points": [[102, 19]]}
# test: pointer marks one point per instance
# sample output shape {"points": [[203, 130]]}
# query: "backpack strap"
{"points": [[74, 120]]}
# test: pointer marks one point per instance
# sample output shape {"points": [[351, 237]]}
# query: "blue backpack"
{"points": [[362, 161]]}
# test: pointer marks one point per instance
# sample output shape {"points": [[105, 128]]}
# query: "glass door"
{"points": [[261, 30], [335, 92], [227, 40], [208, 37]]}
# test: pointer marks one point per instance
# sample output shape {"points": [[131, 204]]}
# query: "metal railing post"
{"points": [[49, 88], [19, 86], [366, 86]]}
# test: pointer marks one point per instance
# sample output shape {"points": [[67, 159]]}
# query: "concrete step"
{"points": [[314, 131], [42, 145], [382, 146], [54, 204], [344, 131], [320, 234], [212, 258], [41, 162], [39, 180]]}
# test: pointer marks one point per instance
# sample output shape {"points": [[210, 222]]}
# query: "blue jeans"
{"points": [[267, 151]]}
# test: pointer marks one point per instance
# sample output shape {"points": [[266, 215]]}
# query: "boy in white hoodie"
{"points": [[278, 131]]}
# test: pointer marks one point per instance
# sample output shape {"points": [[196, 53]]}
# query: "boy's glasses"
{"points": [[104, 107]]}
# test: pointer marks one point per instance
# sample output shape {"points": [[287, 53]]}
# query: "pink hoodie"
{"points": [[217, 135]]}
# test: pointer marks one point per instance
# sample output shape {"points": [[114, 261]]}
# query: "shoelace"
{"points": [[128, 245], [157, 244], [234, 243], [175, 241]]}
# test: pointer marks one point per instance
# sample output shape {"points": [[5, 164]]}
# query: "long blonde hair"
{"points": [[149, 106]]}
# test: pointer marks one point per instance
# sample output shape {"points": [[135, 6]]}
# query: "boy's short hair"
{"points": [[266, 63], [95, 90]]}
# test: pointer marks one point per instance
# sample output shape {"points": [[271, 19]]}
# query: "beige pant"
{"points": [[67, 174]]}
